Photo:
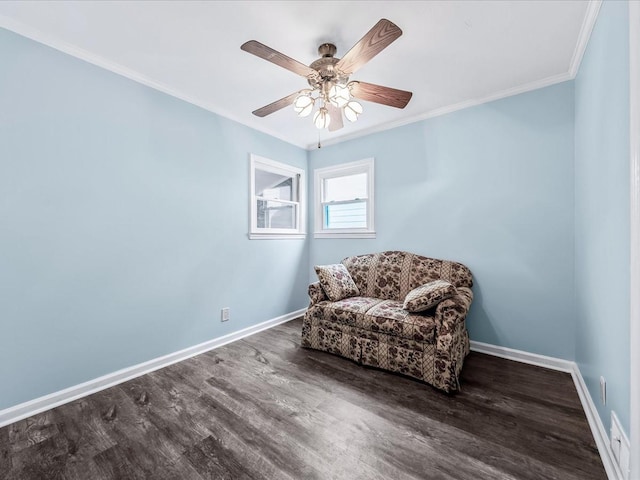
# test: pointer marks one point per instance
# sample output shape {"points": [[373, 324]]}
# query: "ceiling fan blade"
{"points": [[336, 117], [379, 94], [260, 50], [275, 106], [377, 39]]}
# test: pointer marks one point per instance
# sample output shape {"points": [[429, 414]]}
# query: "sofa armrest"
{"points": [[316, 293], [452, 311], [452, 340]]}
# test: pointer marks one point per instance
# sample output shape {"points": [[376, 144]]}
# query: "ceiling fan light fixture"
{"points": [[329, 76], [322, 119], [306, 111], [352, 110], [303, 104], [339, 95]]}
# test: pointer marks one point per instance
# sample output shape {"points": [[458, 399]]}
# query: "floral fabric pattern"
{"points": [[316, 293], [349, 311], [425, 270], [388, 275], [428, 295], [336, 281], [392, 275], [390, 318], [372, 328], [360, 268]]}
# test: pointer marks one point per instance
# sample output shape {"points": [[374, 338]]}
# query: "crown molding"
{"points": [[585, 33], [77, 52], [509, 92], [591, 15]]}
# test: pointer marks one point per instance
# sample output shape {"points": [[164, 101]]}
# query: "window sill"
{"points": [[344, 234], [277, 236]]}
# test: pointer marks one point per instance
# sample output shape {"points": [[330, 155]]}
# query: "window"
{"points": [[344, 200], [277, 200]]}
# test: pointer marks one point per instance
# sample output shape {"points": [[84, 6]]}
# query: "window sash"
{"points": [[267, 199], [322, 229], [297, 192], [294, 212]]}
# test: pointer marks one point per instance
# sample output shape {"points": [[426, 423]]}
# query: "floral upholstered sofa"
{"points": [[360, 310]]}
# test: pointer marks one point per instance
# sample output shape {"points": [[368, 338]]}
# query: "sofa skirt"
{"points": [[424, 361]]}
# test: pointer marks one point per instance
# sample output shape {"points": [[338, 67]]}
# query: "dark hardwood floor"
{"points": [[264, 408]]}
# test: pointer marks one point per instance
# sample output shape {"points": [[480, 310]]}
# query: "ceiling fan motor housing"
{"points": [[325, 65], [327, 50]]}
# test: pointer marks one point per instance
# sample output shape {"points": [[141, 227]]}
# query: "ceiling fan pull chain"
{"points": [[319, 144]]}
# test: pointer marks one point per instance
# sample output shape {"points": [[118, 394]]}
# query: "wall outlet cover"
{"points": [[603, 390], [620, 446], [225, 314]]}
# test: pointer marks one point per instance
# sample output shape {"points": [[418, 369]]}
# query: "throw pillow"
{"points": [[428, 295], [336, 281]]}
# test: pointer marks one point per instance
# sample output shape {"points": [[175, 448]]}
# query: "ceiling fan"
{"points": [[328, 78]]}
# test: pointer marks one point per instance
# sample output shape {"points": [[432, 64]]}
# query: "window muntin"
{"points": [[276, 204], [344, 200]]}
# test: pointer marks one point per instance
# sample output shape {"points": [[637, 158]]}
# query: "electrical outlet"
{"points": [[619, 446], [603, 390], [224, 314]]}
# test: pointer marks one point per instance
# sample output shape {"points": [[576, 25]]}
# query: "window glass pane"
{"points": [[346, 215], [348, 187], [275, 186], [274, 214]]}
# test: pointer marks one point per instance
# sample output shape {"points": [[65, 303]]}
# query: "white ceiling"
{"points": [[452, 53]]}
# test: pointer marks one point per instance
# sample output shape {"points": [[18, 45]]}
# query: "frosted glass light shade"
{"points": [[306, 111], [339, 95], [352, 110], [322, 119], [303, 104]]}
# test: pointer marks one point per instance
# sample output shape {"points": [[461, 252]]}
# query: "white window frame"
{"points": [[344, 169], [272, 166]]}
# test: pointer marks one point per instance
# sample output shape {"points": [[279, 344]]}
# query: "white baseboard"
{"points": [[523, 357], [597, 428], [595, 423], [47, 402]]}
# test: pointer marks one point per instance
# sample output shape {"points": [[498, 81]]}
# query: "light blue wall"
{"points": [[602, 211], [490, 186], [123, 224], [124, 218]]}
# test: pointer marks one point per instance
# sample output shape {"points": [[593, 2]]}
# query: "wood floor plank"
{"points": [[5, 452], [408, 421], [265, 408], [530, 437]]}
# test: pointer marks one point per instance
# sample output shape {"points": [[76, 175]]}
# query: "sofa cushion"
{"points": [[348, 311], [336, 281], [362, 269], [428, 295], [425, 269], [390, 318], [391, 275]]}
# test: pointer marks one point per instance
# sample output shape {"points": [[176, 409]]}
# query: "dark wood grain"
{"points": [[264, 408], [379, 94], [377, 39], [269, 54], [275, 106]]}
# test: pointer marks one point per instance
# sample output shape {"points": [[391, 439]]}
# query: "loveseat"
{"points": [[372, 325]]}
